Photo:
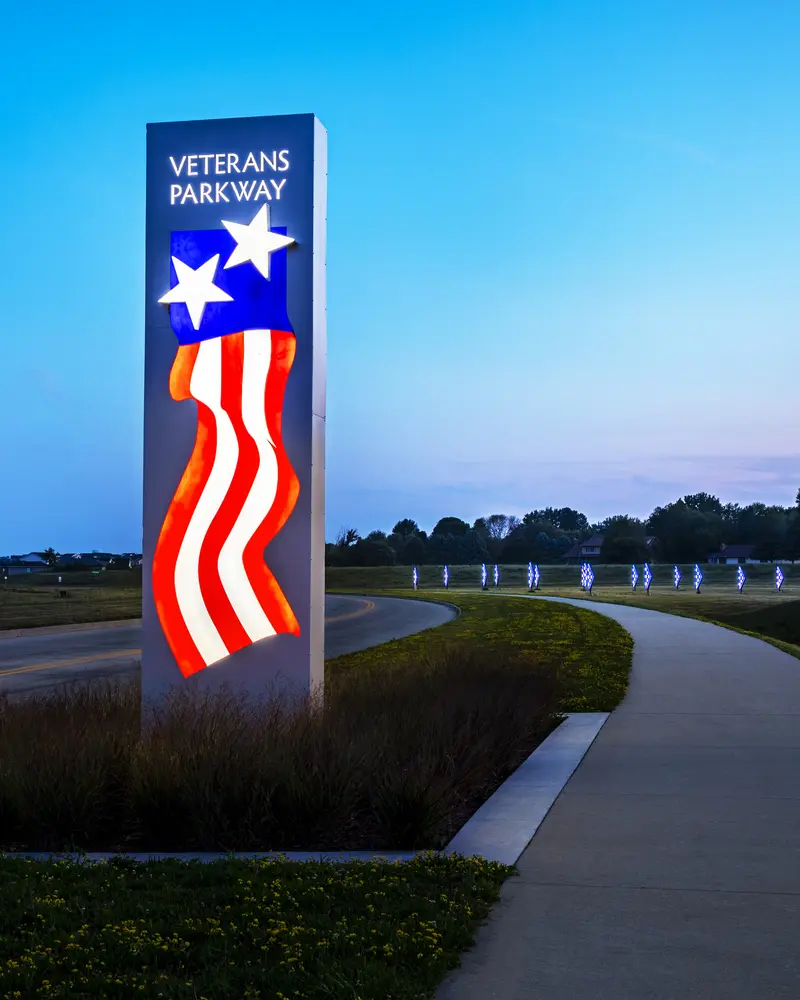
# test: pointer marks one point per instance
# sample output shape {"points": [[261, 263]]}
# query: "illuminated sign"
{"points": [[235, 404], [634, 577], [484, 576], [698, 578], [740, 579], [414, 578], [589, 577], [446, 577], [676, 577], [648, 578], [496, 576], [778, 578], [584, 567], [536, 577]]}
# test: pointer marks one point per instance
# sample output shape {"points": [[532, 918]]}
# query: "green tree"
{"points": [[450, 526], [406, 528]]}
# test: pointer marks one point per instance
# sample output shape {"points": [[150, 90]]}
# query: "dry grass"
{"points": [[397, 759]]}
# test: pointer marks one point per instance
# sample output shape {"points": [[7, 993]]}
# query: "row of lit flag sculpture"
{"points": [[587, 577]]}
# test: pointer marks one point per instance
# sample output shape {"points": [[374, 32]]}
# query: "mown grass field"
{"points": [[34, 600], [759, 610]]}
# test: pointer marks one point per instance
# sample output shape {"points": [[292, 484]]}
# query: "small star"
{"points": [[196, 288], [255, 242]]}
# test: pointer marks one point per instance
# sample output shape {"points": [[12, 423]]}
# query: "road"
{"points": [[38, 661]]}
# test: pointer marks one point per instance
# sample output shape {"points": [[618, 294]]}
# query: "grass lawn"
{"points": [[238, 930], [759, 611], [593, 654], [28, 602]]}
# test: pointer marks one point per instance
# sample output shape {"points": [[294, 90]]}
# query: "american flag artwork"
{"points": [[213, 592]]}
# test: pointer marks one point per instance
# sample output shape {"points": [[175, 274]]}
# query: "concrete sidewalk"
{"points": [[669, 867]]}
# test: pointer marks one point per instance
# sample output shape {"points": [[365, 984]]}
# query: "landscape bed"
{"points": [[415, 735], [435, 722]]}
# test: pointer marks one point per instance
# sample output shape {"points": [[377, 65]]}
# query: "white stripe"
{"points": [[257, 359], [206, 386]]}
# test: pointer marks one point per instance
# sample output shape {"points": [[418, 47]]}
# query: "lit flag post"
{"points": [[676, 577], [234, 411], [536, 577], [648, 578], [698, 578], [496, 576], [484, 576], [414, 578], [583, 576], [740, 579], [589, 577], [778, 578], [446, 577], [634, 578]]}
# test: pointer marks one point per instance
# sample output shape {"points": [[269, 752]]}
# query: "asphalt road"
{"points": [[39, 661]]}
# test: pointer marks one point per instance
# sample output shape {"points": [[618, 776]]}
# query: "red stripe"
{"points": [[266, 587], [216, 599], [179, 514]]}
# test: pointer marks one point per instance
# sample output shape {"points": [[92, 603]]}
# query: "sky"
{"points": [[563, 249]]}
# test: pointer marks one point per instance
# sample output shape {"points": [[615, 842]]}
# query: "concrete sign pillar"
{"points": [[234, 435]]}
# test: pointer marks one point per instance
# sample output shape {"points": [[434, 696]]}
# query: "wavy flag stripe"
{"points": [[212, 590]]}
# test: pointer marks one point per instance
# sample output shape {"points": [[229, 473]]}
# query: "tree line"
{"points": [[687, 530]]}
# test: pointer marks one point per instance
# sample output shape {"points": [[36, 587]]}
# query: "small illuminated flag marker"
{"points": [[740, 579], [415, 577], [583, 576], [676, 576], [648, 578], [484, 576], [530, 576], [496, 576], [778, 578], [446, 577], [634, 577], [536, 577], [589, 577], [698, 578]]}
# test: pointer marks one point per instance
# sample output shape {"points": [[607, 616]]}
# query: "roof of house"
{"points": [[733, 552], [592, 542]]}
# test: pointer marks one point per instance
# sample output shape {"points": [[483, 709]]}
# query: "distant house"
{"points": [[33, 559], [733, 555], [19, 565], [592, 548]]}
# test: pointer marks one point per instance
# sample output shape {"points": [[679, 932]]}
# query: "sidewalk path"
{"points": [[669, 867]]}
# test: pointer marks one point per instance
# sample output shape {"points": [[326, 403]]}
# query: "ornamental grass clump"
{"points": [[395, 758]]}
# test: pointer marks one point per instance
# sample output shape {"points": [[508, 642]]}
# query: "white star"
{"points": [[255, 242], [196, 288]]}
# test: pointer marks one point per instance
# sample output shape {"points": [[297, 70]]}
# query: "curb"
{"points": [[18, 633], [506, 823], [500, 830]]}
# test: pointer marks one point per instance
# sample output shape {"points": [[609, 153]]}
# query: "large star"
{"points": [[196, 288], [255, 242]]}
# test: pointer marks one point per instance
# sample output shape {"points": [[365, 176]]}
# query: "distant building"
{"points": [[733, 555], [592, 548]]}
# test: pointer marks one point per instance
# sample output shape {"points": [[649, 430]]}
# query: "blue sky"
{"points": [[563, 249]]}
